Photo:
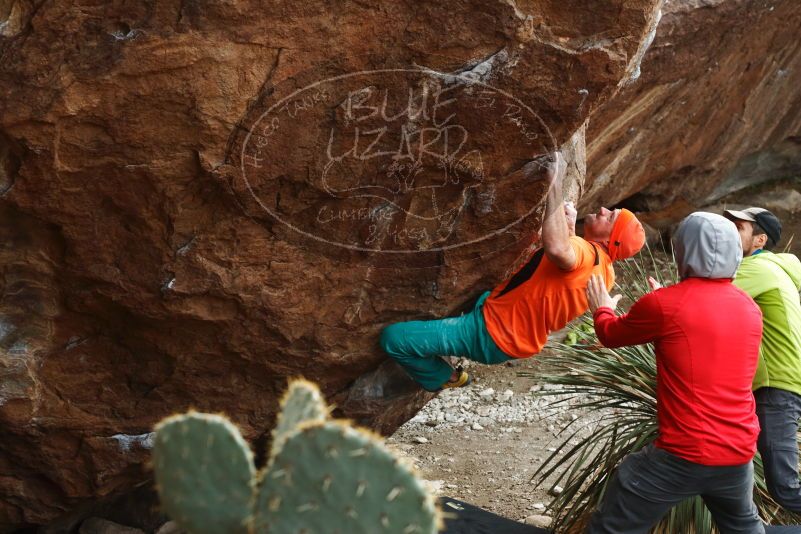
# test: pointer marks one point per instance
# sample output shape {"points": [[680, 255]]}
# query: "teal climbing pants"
{"points": [[418, 346]]}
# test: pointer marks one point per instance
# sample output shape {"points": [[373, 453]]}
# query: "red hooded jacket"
{"points": [[706, 334]]}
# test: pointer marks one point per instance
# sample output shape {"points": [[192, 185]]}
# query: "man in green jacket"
{"points": [[774, 281]]}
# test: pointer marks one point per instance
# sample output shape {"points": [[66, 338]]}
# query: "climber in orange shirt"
{"points": [[515, 318]]}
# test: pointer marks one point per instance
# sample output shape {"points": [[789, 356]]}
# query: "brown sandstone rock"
{"points": [[717, 108], [188, 220]]}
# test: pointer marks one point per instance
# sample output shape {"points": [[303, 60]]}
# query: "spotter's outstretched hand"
{"points": [[653, 284], [598, 296]]}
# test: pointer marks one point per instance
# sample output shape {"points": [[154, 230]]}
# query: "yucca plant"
{"points": [[615, 389]]}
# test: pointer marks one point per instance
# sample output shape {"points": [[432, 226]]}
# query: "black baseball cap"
{"points": [[769, 223]]}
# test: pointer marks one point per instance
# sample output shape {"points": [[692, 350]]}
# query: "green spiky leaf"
{"points": [[204, 473], [330, 477]]}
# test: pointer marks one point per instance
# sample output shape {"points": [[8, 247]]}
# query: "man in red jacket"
{"points": [[706, 334]]}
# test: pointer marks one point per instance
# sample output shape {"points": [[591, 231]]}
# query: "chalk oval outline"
{"points": [[467, 80]]}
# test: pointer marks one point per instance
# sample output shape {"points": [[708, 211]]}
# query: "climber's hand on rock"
{"points": [[571, 214], [555, 167], [552, 164]]}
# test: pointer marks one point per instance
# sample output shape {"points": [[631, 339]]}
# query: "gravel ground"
{"points": [[483, 443]]}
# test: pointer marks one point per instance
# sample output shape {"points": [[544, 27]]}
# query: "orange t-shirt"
{"points": [[541, 298]]}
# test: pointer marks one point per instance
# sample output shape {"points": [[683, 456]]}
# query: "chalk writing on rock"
{"points": [[395, 161]]}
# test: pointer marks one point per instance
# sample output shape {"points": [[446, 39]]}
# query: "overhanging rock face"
{"points": [[717, 108], [202, 199]]}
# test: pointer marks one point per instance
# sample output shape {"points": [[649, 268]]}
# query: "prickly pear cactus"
{"points": [[302, 403], [323, 476], [330, 477], [204, 473]]}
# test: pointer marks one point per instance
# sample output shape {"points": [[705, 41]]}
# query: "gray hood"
{"points": [[707, 245]]}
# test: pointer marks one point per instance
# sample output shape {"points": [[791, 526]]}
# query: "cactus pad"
{"points": [[322, 476], [204, 473], [330, 477], [302, 403]]}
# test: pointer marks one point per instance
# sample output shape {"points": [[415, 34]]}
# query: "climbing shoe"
{"points": [[460, 382]]}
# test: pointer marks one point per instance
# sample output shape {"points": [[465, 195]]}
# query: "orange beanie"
{"points": [[627, 238]]}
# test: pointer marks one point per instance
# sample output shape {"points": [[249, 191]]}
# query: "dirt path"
{"points": [[482, 444]]}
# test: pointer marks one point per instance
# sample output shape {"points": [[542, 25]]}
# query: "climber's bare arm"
{"points": [[555, 225]]}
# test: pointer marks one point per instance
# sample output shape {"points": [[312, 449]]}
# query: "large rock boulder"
{"points": [[201, 199], [717, 109]]}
